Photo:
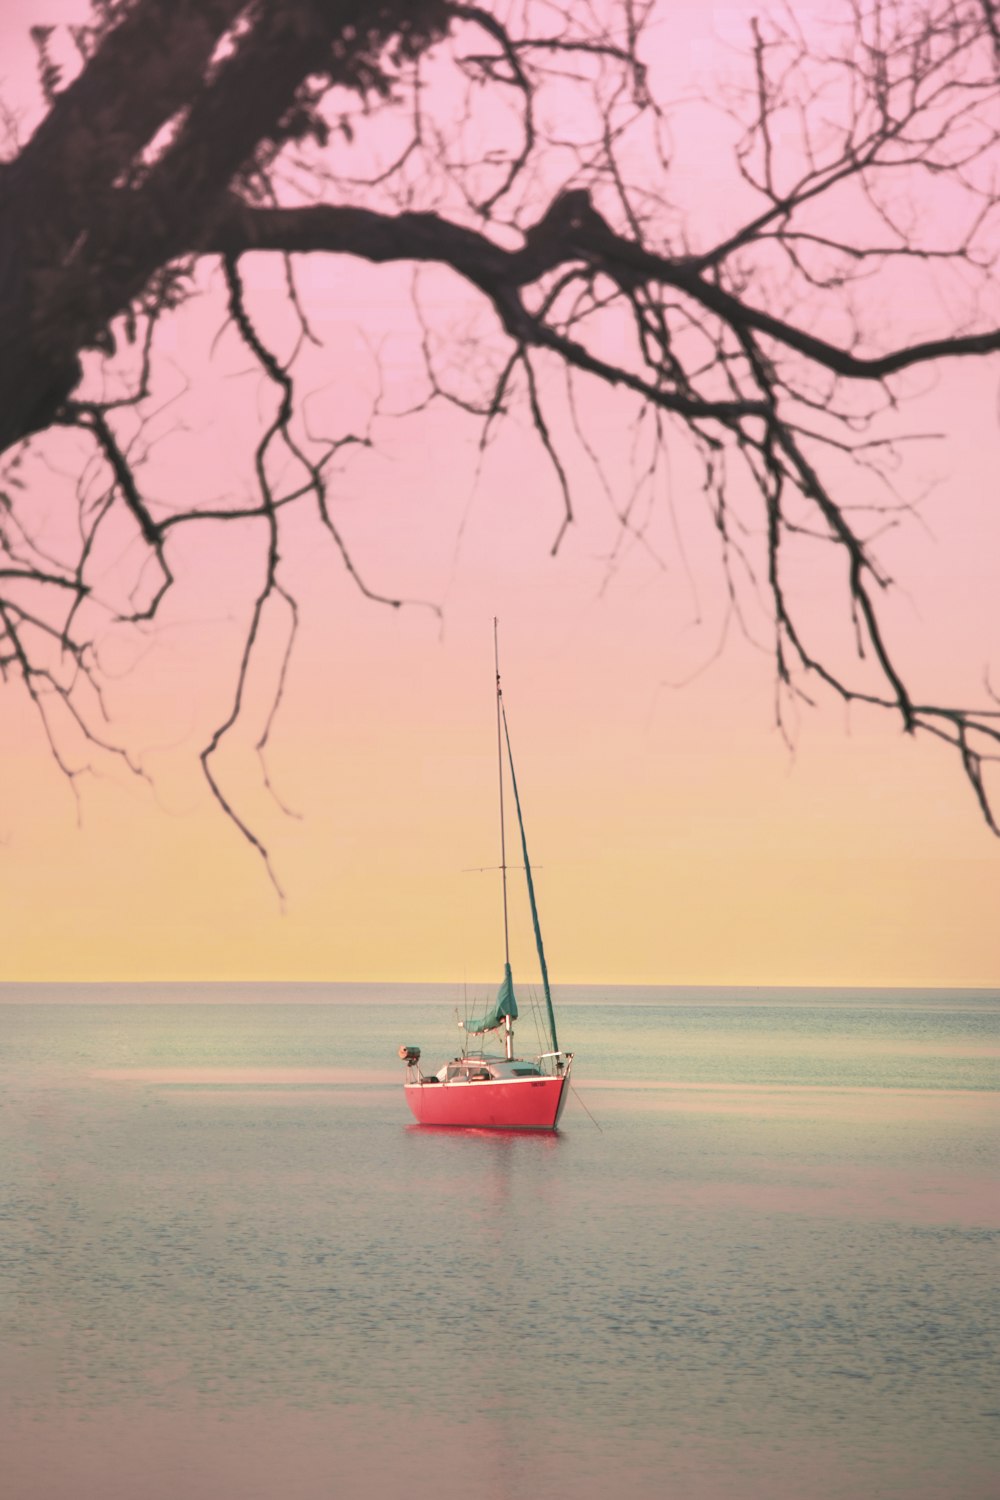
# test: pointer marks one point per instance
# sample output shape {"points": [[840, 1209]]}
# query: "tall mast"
{"points": [[508, 1028]]}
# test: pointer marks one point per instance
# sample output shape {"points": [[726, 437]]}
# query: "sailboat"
{"points": [[497, 1091]]}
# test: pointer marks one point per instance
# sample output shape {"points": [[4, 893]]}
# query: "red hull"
{"points": [[524, 1104]]}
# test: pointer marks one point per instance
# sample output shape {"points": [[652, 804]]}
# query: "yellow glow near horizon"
{"points": [[677, 841]]}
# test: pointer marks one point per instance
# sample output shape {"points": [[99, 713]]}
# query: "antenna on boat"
{"points": [[503, 846]]}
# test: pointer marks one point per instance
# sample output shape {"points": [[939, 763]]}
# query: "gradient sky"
{"points": [[677, 839]]}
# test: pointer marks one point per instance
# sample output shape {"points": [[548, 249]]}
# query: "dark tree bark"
{"points": [[75, 246]]}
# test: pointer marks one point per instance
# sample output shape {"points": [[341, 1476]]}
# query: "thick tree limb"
{"points": [[65, 276], [558, 239]]}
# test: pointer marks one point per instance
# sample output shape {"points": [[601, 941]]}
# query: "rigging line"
{"points": [[503, 844], [536, 1016], [530, 883], [586, 1111], [487, 869], [533, 1001]]}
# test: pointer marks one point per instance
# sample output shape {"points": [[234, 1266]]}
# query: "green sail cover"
{"points": [[505, 1005], [531, 894]]}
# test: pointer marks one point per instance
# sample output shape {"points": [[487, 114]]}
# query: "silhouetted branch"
{"points": [[211, 132]]}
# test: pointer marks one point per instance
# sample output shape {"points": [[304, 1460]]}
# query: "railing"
{"points": [[559, 1063]]}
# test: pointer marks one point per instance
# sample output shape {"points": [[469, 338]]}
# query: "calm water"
{"points": [[232, 1269]]}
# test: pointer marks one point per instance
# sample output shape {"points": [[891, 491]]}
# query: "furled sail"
{"points": [[531, 895], [504, 1005]]}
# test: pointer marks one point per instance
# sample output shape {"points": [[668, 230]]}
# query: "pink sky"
{"points": [[677, 840]]}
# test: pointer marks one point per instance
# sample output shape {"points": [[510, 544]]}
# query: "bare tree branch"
{"points": [[863, 152]]}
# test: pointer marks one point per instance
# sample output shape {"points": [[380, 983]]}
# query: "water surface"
{"points": [[231, 1266]]}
